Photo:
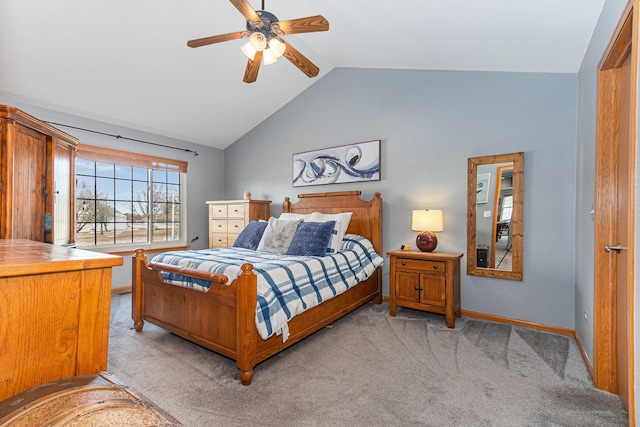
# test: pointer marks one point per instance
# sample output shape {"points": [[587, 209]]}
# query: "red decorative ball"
{"points": [[426, 241]]}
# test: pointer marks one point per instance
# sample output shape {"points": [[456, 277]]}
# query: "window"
{"points": [[507, 208], [127, 199]]}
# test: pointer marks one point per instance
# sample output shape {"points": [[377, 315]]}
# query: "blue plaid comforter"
{"points": [[287, 285]]}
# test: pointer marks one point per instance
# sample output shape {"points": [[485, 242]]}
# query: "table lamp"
{"points": [[427, 221]]}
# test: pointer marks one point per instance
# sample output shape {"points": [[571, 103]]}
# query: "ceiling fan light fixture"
{"points": [[269, 57], [277, 47], [258, 41], [248, 50], [265, 45]]}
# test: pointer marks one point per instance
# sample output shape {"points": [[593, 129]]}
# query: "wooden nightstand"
{"points": [[428, 281]]}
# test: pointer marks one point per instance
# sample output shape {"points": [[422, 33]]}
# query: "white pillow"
{"points": [[342, 224], [278, 235], [289, 216]]}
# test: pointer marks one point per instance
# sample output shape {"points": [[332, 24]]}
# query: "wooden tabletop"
{"points": [[427, 255], [19, 257]]}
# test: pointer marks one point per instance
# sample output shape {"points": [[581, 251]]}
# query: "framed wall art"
{"points": [[482, 188], [336, 165]]}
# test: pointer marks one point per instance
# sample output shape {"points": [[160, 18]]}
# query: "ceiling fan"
{"points": [[264, 31]]}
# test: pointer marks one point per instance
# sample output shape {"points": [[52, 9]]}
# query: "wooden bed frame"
{"points": [[223, 319]]}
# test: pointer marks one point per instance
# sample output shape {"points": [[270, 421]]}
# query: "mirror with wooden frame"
{"points": [[495, 198]]}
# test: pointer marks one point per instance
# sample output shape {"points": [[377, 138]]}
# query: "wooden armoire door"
{"points": [[28, 184], [36, 179], [64, 193]]}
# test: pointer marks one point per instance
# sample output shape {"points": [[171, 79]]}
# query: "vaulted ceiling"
{"points": [[126, 62]]}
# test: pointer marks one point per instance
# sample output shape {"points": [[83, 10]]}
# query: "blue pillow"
{"points": [[311, 238], [251, 235]]}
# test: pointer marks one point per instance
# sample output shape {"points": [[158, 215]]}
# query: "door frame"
{"points": [[624, 41]]}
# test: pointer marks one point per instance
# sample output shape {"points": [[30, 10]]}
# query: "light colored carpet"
{"points": [[371, 369]]}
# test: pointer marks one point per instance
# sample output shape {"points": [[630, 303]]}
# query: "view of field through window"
{"points": [[120, 204]]}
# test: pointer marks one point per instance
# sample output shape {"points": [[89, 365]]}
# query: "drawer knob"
{"points": [[435, 266], [404, 263]]}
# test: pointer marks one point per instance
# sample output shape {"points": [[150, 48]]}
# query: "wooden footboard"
{"points": [[223, 319]]}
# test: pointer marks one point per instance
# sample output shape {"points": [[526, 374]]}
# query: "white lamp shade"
{"points": [[248, 50], [427, 220], [277, 47], [269, 57], [258, 41]]}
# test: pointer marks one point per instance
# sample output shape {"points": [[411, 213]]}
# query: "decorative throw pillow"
{"points": [[311, 238], [250, 237], [278, 235], [342, 224]]}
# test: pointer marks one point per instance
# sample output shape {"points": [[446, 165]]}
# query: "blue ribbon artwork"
{"points": [[347, 163]]}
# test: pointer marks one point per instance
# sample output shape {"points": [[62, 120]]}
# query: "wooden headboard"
{"points": [[366, 219]]}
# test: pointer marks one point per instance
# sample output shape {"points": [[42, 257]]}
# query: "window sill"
{"points": [[129, 249]]}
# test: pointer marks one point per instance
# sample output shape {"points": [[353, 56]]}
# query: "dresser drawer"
{"points": [[219, 226], [218, 211], [235, 211], [219, 240], [231, 239], [421, 265], [235, 226]]}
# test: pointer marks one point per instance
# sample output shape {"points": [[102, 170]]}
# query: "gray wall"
{"points": [[585, 183], [430, 122], [205, 174]]}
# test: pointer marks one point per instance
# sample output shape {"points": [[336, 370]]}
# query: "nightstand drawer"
{"points": [[421, 265]]}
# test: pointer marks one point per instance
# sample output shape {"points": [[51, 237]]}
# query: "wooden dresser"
{"points": [[227, 218], [54, 313]]}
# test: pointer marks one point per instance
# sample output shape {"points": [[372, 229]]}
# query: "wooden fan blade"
{"points": [[217, 39], [246, 10], [300, 61], [309, 24], [251, 72]]}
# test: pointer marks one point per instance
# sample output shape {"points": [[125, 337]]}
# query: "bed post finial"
{"points": [[286, 205]]}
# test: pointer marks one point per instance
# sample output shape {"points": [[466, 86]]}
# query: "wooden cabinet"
{"points": [[428, 281], [54, 313], [37, 163], [227, 218]]}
